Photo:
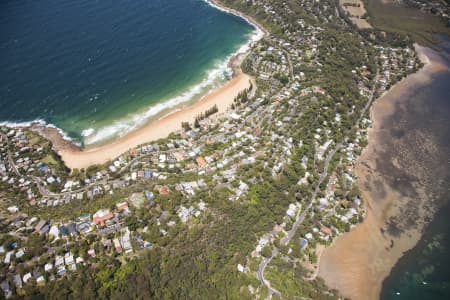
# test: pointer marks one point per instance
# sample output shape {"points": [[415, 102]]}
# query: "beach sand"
{"points": [[75, 157], [392, 175]]}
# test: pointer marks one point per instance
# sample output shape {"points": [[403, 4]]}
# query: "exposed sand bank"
{"points": [[396, 199], [222, 97]]}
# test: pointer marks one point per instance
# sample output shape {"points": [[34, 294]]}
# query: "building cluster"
{"points": [[106, 233], [25, 161], [436, 7], [395, 63], [289, 68], [293, 122]]}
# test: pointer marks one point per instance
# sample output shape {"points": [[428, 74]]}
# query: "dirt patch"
{"points": [[356, 12]]}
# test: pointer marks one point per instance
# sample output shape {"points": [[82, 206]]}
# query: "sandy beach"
{"points": [[394, 191], [75, 157]]}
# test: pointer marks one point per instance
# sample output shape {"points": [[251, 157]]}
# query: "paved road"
{"points": [[301, 216], [10, 159], [291, 69], [299, 220], [261, 269]]}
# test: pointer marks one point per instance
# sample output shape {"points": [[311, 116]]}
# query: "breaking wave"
{"points": [[215, 77], [40, 122], [120, 128], [125, 125]]}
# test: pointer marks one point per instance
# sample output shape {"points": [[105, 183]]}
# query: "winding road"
{"points": [[302, 215]]}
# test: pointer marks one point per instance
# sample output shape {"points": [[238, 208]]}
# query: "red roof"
{"points": [[122, 206], [326, 230], [164, 190], [200, 161], [101, 218]]}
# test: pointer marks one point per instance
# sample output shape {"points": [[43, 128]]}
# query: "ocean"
{"points": [[99, 69], [424, 271]]}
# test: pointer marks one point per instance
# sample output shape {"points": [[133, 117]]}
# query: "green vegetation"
{"points": [[289, 280], [293, 134], [407, 21], [203, 116]]}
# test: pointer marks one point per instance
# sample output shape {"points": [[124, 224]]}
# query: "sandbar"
{"points": [[358, 261]]}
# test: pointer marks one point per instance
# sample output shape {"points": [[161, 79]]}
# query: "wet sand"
{"points": [[75, 157], [395, 175]]}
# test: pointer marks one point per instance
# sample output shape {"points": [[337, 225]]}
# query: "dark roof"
{"points": [[83, 226], [303, 243], [45, 229], [72, 228], [5, 286], [63, 230], [43, 168], [36, 273]]}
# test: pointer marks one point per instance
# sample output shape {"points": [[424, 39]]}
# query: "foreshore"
{"points": [[358, 262], [249, 19], [75, 157]]}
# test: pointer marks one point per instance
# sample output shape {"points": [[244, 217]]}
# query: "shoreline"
{"points": [[76, 157], [218, 5], [357, 262]]}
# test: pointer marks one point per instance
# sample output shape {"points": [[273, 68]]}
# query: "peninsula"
{"points": [[272, 186]]}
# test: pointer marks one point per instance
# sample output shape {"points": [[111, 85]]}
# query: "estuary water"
{"points": [[99, 69], [424, 271]]}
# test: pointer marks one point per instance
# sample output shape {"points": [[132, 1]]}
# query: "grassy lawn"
{"points": [[49, 160]]}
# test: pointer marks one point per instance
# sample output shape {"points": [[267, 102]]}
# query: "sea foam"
{"points": [[221, 71], [259, 34], [42, 123], [87, 132], [123, 126]]}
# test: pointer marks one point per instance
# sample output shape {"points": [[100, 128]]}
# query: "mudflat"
{"points": [[395, 174]]}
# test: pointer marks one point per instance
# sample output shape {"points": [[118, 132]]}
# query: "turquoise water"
{"points": [[98, 69]]}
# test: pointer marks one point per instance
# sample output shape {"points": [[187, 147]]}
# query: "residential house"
{"points": [[117, 245], [72, 229], [6, 289], [17, 281], [39, 226], [101, 216], [201, 162], [122, 206]]}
